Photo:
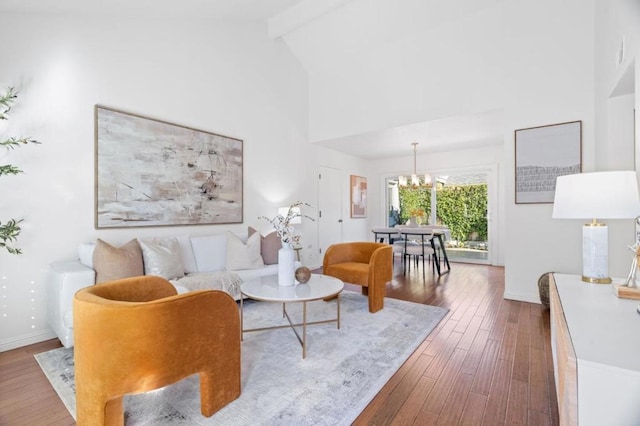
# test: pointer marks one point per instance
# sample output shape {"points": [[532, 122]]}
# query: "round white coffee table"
{"points": [[267, 289]]}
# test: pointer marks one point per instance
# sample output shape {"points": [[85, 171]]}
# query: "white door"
{"points": [[329, 208]]}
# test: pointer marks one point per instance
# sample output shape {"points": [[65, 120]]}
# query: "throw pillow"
{"points": [[241, 255], [269, 246], [210, 252], [162, 258], [112, 263]]}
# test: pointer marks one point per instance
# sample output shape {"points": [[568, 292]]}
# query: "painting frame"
{"points": [[358, 196], [542, 154], [153, 173]]}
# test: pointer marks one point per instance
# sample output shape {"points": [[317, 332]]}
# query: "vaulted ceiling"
{"points": [[327, 36]]}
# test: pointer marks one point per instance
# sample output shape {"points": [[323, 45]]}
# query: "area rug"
{"points": [[343, 371]]}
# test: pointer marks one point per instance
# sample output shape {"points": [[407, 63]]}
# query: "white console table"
{"points": [[595, 340]]}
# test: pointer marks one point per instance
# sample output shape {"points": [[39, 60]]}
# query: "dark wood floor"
{"points": [[488, 362]]}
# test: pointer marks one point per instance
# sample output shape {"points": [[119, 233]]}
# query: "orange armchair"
{"points": [[136, 334], [364, 263]]}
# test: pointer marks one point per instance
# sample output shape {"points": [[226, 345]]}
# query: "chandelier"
{"points": [[415, 180]]}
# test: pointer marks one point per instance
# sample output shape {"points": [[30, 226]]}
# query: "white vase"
{"points": [[286, 266]]}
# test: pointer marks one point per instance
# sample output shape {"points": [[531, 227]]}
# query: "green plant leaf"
{"points": [[8, 234], [13, 142]]}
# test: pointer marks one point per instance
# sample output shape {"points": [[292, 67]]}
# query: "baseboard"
{"points": [[25, 340], [531, 298]]}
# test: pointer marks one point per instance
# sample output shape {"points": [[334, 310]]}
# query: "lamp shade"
{"points": [[295, 211], [604, 195]]}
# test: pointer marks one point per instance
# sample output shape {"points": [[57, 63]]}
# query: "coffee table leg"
{"points": [[338, 311], [241, 318], [304, 330]]}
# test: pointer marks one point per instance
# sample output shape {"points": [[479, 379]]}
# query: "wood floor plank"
{"points": [[517, 405], [474, 409], [484, 373], [538, 389], [457, 399], [436, 399], [470, 333], [521, 358], [474, 356], [442, 358], [410, 410], [498, 395]]}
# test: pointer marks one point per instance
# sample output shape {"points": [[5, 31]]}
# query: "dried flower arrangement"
{"points": [[283, 224]]}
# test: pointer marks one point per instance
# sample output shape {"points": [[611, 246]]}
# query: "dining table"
{"points": [[380, 234], [422, 232]]}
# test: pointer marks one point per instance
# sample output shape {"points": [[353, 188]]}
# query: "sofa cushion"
{"points": [[210, 252], [162, 258], [269, 246], [186, 252], [241, 255], [112, 263]]}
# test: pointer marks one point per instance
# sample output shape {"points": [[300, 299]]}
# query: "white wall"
{"points": [[219, 77], [534, 60]]}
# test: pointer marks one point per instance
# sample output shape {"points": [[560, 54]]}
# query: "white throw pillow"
{"points": [[241, 255], [209, 252], [162, 259], [186, 252]]}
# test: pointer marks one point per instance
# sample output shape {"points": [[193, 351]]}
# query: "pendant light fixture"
{"points": [[414, 177], [415, 181]]}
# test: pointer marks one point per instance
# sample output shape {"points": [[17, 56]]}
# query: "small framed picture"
{"points": [[358, 196], [542, 154]]}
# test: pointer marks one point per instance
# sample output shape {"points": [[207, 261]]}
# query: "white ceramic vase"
{"points": [[286, 265]]}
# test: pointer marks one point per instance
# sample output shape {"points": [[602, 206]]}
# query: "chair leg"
{"points": [[217, 389], [114, 412]]}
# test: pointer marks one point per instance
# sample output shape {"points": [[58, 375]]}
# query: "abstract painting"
{"points": [[153, 173], [542, 154], [358, 196]]}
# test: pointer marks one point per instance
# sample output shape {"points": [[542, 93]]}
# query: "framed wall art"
{"points": [[358, 196], [154, 173], [542, 154]]}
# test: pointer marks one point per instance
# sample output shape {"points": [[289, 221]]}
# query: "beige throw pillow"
{"points": [[241, 255], [162, 258], [112, 263], [269, 246]]}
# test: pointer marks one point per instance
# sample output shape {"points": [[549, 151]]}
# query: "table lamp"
{"points": [[600, 195], [296, 216]]}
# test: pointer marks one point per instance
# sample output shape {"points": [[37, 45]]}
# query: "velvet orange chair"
{"points": [[136, 334], [364, 263]]}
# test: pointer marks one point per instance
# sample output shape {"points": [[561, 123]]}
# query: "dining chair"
{"points": [[417, 244]]}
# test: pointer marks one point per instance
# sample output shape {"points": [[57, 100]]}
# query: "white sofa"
{"points": [[203, 258]]}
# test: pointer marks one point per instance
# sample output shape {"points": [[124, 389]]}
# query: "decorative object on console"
{"points": [[630, 290], [199, 181], [303, 274], [604, 195], [283, 224], [358, 196], [542, 154]]}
